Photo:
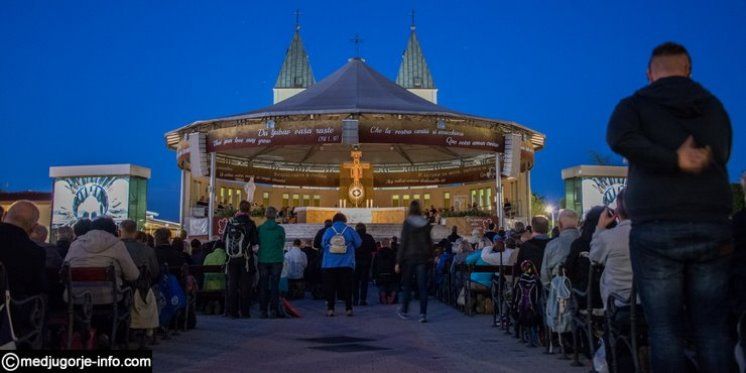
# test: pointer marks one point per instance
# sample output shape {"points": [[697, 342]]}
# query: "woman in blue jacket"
{"points": [[338, 262]]}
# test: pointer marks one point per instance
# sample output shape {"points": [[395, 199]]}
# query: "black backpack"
{"points": [[235, 235]]}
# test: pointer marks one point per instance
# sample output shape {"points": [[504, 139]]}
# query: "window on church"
{"points": [[265, 199], [222, 195], [306, 200], [447, 200], [417, 197], [426, 199], [488, 198], [296, 200], [405, 200], [317, 200], [395, 200], [238, 197], [285, 200]]}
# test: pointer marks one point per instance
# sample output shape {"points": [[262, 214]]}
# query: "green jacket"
{"points": [[215, 281], [271, 242]]}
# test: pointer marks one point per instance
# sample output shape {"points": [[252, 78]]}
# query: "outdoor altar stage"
{"points": [[375, 215]]}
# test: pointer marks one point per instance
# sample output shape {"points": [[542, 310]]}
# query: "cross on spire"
{"points": [[297, 18], [411, 15], [357, 41]]}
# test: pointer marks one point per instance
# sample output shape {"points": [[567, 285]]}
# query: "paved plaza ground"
{"points": [[374, 340]]}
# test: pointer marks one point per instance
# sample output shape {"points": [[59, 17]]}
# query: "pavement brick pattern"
{"points": [[374, 340]]}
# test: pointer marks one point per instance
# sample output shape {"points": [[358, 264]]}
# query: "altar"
{"points": [[374, 215]]}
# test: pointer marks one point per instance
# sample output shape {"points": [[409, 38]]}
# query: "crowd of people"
{"points": [[670, 238]]}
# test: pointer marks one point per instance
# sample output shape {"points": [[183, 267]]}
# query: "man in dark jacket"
{"points": [[317, 244], [141, 254], [412, 258], [23, 259], [363, 260], [241, 268], [677, 138], [164, 251], [533, 249]]}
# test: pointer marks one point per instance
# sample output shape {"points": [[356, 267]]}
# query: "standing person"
{"points": [[240, 237], [317, 244], [412, 258], [338, 262], [271, 257], [363, 260], [141, 254], [312, 274], [677, 138], [215, 281], [23, 259]]}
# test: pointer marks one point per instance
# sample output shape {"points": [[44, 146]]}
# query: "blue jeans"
{"points": [[681, 271], [269, 287], [418, 270]]}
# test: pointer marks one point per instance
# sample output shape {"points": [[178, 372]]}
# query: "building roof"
{"points": [[354, 88], [594, 171], [296, 70], [413, 71], [100, 170], [26, 195]]}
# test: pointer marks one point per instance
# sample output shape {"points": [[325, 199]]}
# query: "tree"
{"points": [[538, 205]]}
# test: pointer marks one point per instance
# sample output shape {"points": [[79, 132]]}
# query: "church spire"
{"points": [[295, 74], [414, 74]]}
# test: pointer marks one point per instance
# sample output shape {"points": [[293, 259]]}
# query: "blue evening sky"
{"points": [[95, 82]]}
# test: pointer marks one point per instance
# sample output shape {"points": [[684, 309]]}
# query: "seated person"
{"points": [[101, 248], [384, 262], [498, 254], [533, 245], [24, 261], [610, 247], [479, 280], [215, 281], [39, 236], [558, 248], [166, 253], [141, 254], [297, 262]]}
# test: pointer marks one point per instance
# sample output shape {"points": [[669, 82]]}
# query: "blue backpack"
{"points": [[171, 299]]}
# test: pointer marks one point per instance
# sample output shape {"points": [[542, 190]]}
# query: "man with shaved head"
{"points": [[676, 136], [22, 258]]}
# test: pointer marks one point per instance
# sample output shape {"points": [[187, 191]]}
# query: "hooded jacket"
{"points": [[648, 127], [100, 249], [416, 244], [271, 242]]}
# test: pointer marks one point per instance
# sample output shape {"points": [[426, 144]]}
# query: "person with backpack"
{"points": [[271, 257], [338, 262], [240, 236], [412, 258]]}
